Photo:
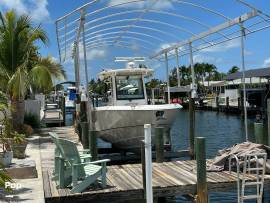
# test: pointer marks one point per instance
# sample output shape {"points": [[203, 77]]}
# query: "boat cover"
{"points": [[221, 161]]}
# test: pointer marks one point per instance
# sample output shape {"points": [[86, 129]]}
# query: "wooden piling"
{"points": [[83, 111], [93, 144], [191, 126], [143, 169], [217, 102], [242, 105], [159, 144], [77, 117], [85, 132], [63, 108], [239, 103], [259, 133], [202, 192], [227, 102]]}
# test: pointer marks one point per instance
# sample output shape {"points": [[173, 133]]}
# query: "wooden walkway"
{"points": [[53, 116], [124, 182]]}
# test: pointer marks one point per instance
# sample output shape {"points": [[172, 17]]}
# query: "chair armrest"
{"points": [[93, 162], [100, 161], [84, 150], [85, 156]]}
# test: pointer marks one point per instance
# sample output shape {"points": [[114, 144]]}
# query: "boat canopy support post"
{"points": [[84, 49], [167, 77], [244, 77], [193, 85], [192, 96], [177, 67]]}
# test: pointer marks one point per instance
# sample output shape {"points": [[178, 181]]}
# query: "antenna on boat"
{"points": [[129, 59]]}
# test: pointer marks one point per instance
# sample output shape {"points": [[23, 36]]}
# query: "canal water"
{"points": [[221, 131]]}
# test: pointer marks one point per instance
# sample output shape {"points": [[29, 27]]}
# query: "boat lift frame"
{"points": [[80, 27]]}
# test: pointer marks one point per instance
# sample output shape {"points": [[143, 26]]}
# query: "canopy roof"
{"points": [[142, 25]]}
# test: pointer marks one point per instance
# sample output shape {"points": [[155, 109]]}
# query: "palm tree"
{"points": [[210, 69], [234, 69], [21, 67]]}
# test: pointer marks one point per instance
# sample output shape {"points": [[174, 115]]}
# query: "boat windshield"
{"points": [[129, 87]]}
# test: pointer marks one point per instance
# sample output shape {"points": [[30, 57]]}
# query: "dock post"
{"points": [[159, 144], [191, 127], [239, 103], [217, 102], [202, 192], [85, 132], [77, 113], [268, 120], [227, 103], [63, 108], [93, 144], [83, 111], [259, 133], [143, 168], [148, 163]]}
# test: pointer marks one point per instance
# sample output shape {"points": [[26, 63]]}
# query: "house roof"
{"points": [[260, 72]]}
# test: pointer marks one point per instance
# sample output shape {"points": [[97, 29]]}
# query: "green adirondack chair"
{"points": [[83, 174], [58, 152]]}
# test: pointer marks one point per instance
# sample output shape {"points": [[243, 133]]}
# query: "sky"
{"points": [[173, 28]]}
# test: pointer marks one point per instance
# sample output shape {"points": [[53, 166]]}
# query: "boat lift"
{"points": [[94, 26], [98, 24]]}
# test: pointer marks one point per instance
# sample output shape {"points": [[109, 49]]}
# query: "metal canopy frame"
{"points": [[98, 24]]}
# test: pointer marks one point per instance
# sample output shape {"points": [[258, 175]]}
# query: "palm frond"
{"points": [[56, 69], [18, 84], [40, 77]]}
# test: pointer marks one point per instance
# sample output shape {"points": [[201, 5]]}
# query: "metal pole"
{"points": [[77, 65], [193, 86], [177, 67], [168, 78], [84, 51], [243, 77], [148, 163]]}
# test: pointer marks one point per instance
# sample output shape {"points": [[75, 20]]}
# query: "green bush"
{"points": [[32, 120]]}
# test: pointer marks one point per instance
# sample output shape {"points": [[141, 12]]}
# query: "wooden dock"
{"points": [[124, 182]]}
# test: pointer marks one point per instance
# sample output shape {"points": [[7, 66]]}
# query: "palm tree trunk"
{"points": [[18, 110]]}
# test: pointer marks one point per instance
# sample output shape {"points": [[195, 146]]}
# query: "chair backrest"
{"points": [[70, 153], [54, 137]]}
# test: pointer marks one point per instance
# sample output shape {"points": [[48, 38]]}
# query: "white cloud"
{"points": [[155, 4], [223, 47], [167, 45], [248, 53], [55, 59], [199, 58], [266, 62], [37, 9], [96, 53]]}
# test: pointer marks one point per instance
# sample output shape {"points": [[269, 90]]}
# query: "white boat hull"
{"points": [[123, 126]]}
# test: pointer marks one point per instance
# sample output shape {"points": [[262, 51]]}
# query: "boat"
{"points": [[70, 98], [121, 121]]}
